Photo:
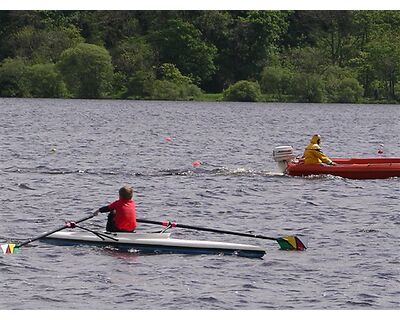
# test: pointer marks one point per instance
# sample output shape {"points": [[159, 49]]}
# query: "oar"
{"points": [[11, 247], [286, 243], [99, 234]]}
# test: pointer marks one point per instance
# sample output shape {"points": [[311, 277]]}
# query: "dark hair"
{"points": [[126, 192]]}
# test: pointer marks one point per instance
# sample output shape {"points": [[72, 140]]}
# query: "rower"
{"points": [[122, 216]]}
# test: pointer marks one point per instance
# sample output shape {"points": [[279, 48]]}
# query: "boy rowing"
{"points": [[122, 216]]}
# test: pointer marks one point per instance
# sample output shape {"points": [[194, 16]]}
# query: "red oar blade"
{"points": [[292, 243]]}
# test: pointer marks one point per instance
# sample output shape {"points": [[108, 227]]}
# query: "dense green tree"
{"points": [[119, 85], [169, 85], [169, 90], [216, 27], [172, 85], [40, 45], [14, 81], [134, 62], [165, 90], [306, 60], [154, 20], [246, 91], [365, 23], [180, 43], [24, 42], [349, 91], [87, 71], [107, 28], [383, 56], [46, 82], [335, 34], [301, 29], [333, 76], [170, 72], [308, 87], [54, 42], [276, 80], [252, 38], [332, 52], [140, 85], [133, 54]]}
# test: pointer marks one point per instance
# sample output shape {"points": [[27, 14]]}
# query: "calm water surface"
{"points": [[61, 159]]}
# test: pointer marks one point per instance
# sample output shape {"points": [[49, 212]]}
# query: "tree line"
{"points": [[296, 56]]}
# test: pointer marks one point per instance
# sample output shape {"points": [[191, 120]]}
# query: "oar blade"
{"points": [[9, 248], [292, 243]]}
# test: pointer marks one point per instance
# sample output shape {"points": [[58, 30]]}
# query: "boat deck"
{"points": [[155, 243]]}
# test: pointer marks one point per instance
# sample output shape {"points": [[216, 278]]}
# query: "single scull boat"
{"points": [[153, 243], [158, 242]]}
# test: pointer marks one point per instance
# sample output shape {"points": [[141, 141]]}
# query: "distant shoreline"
{"points": [[215, 97]]}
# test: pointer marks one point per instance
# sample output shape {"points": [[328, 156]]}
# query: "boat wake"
{"points": [[160, 172], [220, 171]]}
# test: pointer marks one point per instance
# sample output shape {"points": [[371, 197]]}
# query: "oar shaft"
{"points": [[286, 243], [178, 225], [53, 231]]}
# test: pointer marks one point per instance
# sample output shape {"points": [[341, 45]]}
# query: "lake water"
{"points": [[61, 159]]}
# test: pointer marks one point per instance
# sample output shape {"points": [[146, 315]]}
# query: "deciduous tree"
{"points": [[87, 70]]}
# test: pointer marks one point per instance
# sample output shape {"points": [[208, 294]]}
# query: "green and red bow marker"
{"points": [[10, 248]]}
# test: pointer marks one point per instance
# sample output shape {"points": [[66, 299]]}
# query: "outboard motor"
{"points": [[283, 155]]}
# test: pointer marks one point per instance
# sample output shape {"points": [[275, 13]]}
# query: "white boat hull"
{"points": [[155, 243]]}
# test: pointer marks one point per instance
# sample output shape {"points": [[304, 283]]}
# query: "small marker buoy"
{"points": [[168, 139], [53, 150], [196, 163]]}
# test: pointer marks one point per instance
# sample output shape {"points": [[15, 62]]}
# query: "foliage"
{"points": [[255, 38], [307, 87], [18, 79], [46, 82], [172, 85], [246, 91], [306, 60], [132, 55], [276, 80], [303, 56], [383, 56], [43, 45], [133, 59], [14, 78], [168, 90], [349, 91], [170, 72], [180, 43], [140, 85], [333, 77], [87, 70]]}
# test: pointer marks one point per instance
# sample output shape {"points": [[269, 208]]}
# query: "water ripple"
{"points": [[85, 150]]}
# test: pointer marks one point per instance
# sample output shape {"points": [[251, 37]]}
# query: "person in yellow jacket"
{"points": [[313, 153]]}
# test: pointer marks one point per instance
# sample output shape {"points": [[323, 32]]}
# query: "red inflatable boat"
{"points": [[352, 168]]}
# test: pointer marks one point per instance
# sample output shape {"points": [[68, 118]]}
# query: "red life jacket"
{"points": [[125, 214]]}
